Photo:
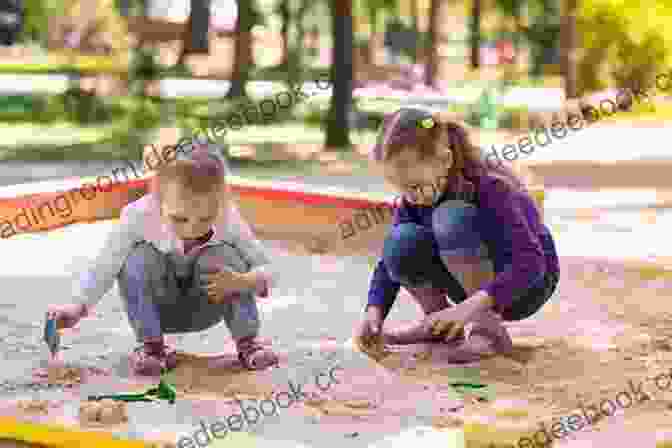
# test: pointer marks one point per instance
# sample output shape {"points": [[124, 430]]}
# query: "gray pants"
{"points": [[157, 300]]}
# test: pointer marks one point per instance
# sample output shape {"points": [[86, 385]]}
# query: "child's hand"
{"points": [[67, 316], [452, 321], [223, 284], [447, 323], [369, 337], [371, 326]]}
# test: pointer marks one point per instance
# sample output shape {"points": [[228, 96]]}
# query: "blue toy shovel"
{"points": [[51, 336]]}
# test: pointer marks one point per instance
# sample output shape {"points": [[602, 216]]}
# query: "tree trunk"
{"points": [[243, 50], [371, 51], [518, 27], [569, 42], [182, 58], [432, 59], [338, 129], [297, 63], [144, 12], [195, 39], [199, 24], [415, 11], [284, 31], [475, 34], [124, 8]]}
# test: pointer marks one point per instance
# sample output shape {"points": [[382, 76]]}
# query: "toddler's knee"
{"points": [[142, 258], [216, 258], [404, 250]]}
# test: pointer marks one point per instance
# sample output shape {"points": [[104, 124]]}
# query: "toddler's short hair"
{"points": [[202, 173]]}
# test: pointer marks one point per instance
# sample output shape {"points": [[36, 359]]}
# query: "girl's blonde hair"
{"points": [[203, 169], [202, 173], [423, 130]]}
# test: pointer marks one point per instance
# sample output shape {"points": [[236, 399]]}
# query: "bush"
{"points": [[639, 62], [145, 114], [22, 108], [75, 106], [84, 107], [620, 48]]}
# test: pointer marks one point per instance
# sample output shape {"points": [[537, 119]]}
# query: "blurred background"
{"points": [[84, 83]]}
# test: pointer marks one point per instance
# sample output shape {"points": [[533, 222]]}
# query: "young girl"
{"points": [[471, 250], [184, 260]]}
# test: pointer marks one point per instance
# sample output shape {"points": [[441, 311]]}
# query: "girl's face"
{"points": [[421, 182], [190, 215]]}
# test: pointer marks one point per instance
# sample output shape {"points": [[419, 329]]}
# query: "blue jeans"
{"points": [[157, 301], [418, 256]]}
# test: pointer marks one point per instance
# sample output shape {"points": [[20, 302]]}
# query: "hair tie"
{"points": [[428, 123]]}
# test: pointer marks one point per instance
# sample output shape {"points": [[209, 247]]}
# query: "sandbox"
{"points": [[592, 342], [603, 333]]}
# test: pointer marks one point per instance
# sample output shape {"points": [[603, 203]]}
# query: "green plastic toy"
{"points": [[468, 385], [164, 391], [481, 391]]}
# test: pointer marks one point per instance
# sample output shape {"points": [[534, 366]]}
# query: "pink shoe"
{"points": [[254, 356], [146, 364], [416, 333], [484, 338], [430, 300]]}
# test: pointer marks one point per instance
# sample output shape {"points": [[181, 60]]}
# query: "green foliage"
{"points": [[84, 107], [144, 65], [31, 108], [375, 6], [80, 108], [638, 63], [145, 114], [142, 117], [622, 46], [36, 20], [511, 8]]}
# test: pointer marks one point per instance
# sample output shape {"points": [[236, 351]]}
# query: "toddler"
{"points": [[467, 241], [184, 260]]}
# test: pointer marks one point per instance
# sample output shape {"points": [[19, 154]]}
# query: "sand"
{"points": [[605, 327]]}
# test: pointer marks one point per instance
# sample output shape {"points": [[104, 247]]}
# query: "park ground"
{"points": [[606, 325]]}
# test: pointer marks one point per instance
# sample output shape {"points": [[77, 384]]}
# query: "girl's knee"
{"points": [[455, 226], [453, 216], [535, 299], [406, 249]]}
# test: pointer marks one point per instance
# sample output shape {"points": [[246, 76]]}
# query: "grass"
{"points": [[100, 65], [272, 147], [47, 68], [61, 134], [289, 150], [63, 142]]}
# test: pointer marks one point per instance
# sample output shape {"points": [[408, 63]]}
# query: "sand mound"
{"points": [[33, 406], [103, 412], [66, 374]]}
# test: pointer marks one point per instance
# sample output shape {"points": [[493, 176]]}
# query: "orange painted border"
{"points": [[108, 204]]}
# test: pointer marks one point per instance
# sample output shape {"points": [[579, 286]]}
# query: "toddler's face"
{"points": [[190, 215], [421, 182]]}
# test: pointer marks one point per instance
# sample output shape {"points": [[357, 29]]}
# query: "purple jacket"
{"points": [[521, 245]]}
